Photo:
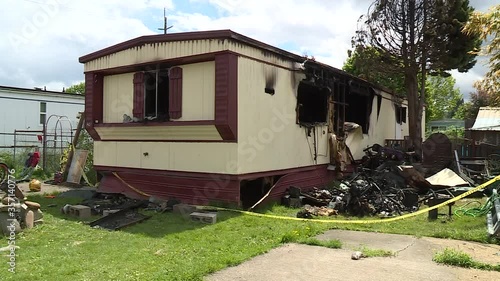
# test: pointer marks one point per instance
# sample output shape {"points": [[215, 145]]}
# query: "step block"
{"points": [[80, 211]]}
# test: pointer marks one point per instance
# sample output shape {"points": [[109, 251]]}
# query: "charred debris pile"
{"points": [[382, 184]]}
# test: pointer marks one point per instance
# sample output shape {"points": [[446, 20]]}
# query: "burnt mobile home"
{"points": [[218, 116]]}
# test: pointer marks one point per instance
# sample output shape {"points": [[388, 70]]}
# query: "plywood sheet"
{"points": [[77, 165]]}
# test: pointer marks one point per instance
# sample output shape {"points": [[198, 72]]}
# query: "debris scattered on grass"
{"points": [[357, 255]]}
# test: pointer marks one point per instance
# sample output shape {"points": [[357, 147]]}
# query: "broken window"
{"points": [[400, 114], [158, 94], [359, 107], [312, 104]]}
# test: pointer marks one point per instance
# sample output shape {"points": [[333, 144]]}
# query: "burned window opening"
{"points": [[359, 110], [156, 85], [339, 94], [312, 103], [400, 114]]}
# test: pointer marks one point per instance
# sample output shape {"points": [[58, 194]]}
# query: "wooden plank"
{"points": [[74, 142], [77, 165]]}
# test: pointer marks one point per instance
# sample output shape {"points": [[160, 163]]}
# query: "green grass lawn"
{"points": [[458, 258], [170, 247]]}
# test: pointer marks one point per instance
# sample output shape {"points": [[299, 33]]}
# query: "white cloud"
{"points": [[45, 38], [318, 28]]}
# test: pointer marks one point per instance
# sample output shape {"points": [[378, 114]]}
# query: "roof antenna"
{"points": [[165, 28]]}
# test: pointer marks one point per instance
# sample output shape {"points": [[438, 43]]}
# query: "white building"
{"points": [[23, 113]]}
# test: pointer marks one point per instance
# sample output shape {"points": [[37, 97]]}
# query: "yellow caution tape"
{"points": [[465, 194]]}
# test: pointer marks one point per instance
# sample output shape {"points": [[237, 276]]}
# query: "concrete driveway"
{"points": [[413, 260]]}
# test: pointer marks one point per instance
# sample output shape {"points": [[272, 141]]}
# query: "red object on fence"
{"points": [[35, 158]]}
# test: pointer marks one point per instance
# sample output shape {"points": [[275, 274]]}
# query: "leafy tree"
{"points": [[78, 89], [470, 109], [443, 98], [418, 37], [365, 62], [487, 27]]}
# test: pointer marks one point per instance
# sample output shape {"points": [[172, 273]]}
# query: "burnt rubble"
{"points": [[384, 183], [383, 194]]}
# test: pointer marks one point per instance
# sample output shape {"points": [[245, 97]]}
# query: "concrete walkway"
{"points": [[413, 260]]}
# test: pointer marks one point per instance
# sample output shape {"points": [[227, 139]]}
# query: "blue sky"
{"points": [[43, 39]]}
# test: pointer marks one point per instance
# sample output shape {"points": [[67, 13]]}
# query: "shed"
{"points": [[486, 128]]}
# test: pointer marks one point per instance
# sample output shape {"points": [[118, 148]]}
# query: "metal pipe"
{"points": [[14, 157]]}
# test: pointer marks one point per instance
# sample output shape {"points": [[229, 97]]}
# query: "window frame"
{"points": [[168, 80]]}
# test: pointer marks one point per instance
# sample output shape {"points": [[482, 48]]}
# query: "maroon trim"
{"points": [[226, 95], [98, 98], [138, 104], [153, 123], [247, 176], [175, 93], [184, 36], [205, 188], [250, 176], [93, 102], [318, 176], [192, 190]]}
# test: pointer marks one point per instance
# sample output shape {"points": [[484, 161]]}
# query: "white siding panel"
{"points": [[170, 50], [198, 91], [155, 52], [105, 153], [269, 139], [194, 157], [118, 97]]}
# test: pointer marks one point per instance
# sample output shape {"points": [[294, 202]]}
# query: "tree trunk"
{"points": [[414, 112]]}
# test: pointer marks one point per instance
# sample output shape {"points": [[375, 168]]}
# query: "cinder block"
{"points": [[183, 209], [204, 217], [80, 211]]}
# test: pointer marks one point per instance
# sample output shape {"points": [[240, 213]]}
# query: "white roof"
{"points": [[488, 119]]}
